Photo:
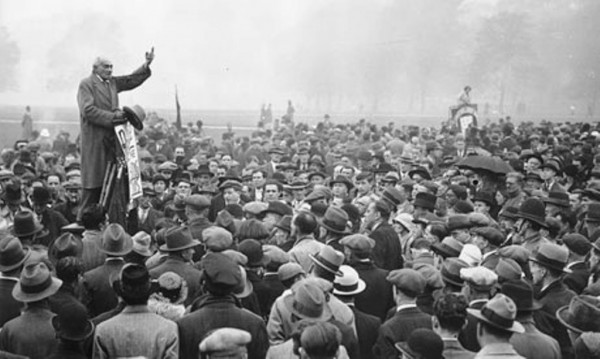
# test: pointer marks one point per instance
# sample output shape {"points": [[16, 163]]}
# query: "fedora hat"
{"points": [[336, 220], [448, 247], [133, 281], [115, 241], [141, 244], [25, 224], [451, 271], [421, 171], [552, 256], [329, 259], [307, 301], [36, 283], [135, 115], [66, 245], [581, 315], [558, 198], [532, 209], [72, 323], [500, 312], [178, 239], [252, 249], [12, 253], [521, 292], [348, 283]]}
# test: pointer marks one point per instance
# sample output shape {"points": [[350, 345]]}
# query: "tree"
{"points": [[8, 61]]}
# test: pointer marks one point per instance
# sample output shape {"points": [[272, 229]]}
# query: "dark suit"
{"points": [[98, 295], [387, 253], [217, 203], [148, 225], [62, 298], [68, 350], [187, 271], [578, 279], [11, 308], [398, 329], [273, 289], [31, 334], [196, 226], [377, 298], [68, 210], [534, 344], [53, 221], [218, 312], [468, 335], [367, 328]]}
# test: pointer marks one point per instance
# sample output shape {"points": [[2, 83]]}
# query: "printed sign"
{"points": [[126, 136]]}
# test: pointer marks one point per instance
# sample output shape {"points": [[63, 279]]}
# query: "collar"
{"points": [[570, 265], [556, 283], [101, 80], [13, 279], [130, 309], [113, 259], [496, 348], [405, 306], [478, 301], [308, 237]]}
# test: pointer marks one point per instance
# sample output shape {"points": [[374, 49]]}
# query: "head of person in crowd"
{"points": [[319, 340], [231, 191], [160, 184], [363, 183], [326, 264], [94, 217], [272, 190], [548, 264], [274, 212], [449, 315]]}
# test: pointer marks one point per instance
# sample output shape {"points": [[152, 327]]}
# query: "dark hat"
{"points": [[178, 239], [392, 196], [36, 283], [558, 198], [463, 207], [237, 185], [364, 175], [521, 292], [451, 271], [66, 245], [252, 249], [316, 173], [552, 163], [225, 343], [532, 209], [135, 115], [409, 281], [593, 212], [508, 269], [447, 248], [197, 202], [335, 220], [425, 200], [72, 323], [221, 272], [276, 150], [279, 208], [26, 224], [204, 170], [422, 171], [499, 312], [391, 177], [115, 241], [12, 253], [485, 197], [552, 256], [358, 243], [533, 176], [422, 343], [40, 195], [285, 223], [491, 234], [148, 191], [342, 179], [433, 278], [158, 177], [509, 212], [364, 155], [307, 301], [458, 190], [458, 221], [581, 315], [329, 259], [13, 194], [133, 281], [577, 243]]}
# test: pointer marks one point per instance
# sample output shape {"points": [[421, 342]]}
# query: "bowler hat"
{"points": [[178, 239], [485, 197], [409, 281], [532, 209], [66, 245], [448, 247], [204, 170], [581, 315], [422, 343], [329, 259], [226, 342], [521, 292], [336, 220], [307, 301], [40, 195], [344, 180], [25, 224], [115, 241], [135, 115], [12, 253], [252, 249], [421, 171], [558, 198], [36, 283], [349, 283], [499, 312], [72, 323], [552, 256], [425, 200]]}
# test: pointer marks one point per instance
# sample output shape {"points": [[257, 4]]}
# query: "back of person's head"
{"points": [[68, 269], [305, 222], [92, 216], [383, 208], [320, 341], [451, 311], [252, 229]]}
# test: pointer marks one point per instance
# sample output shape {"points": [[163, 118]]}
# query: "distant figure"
{"points": [[27, 124], [268, 114], [290, 111], [465, 98]]}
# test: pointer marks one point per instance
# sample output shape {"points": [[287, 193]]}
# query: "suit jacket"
{"points": [[273, 289], [98, 295], [468, 335], [187, 271], [68, 350], [91, 255], [68, 210], [53, 221], [31, 334], [534, 344], [64, 296], [218, 312], [577, 280], [453, 350], [11, 308], [387, 253], [377, 298], [97, 102], [397, 329], [134, 225], [367, 327]]}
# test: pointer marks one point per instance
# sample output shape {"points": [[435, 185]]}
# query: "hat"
{"points": [[491, 234], [409, 281], [141, 244], [316, 173], [392, 195], [448, 247], [421, 171], [521, 292], [307, 301], [197, 201], [552, 256], [358, 243], [463, 207], [480, 278], [458, 221], [336, 220], [227, 342], [25, 224], [485, 197], [12, 254], [279, 208], [508, 269], [220, 272], [173, 286], [458, 190], [158, 177], [422, 343], [509, 212], [285, 223], [587, 345], [36, 283], [135, 115], [499, 312], [451, 271], [329, 259], [532, 209], [517, 252], [40, 195], [470, 254], [72, 185], [252, 249], [133, 281], [289, 270], [349, 283], [217, 239], [204, 170], [167, 166], [425, 200], [581, 315], [593, 212], [433, 278], [115, 241], [72, 323], [577, 243], [558, 198], [276, 150], [5, 174], [391, 177], [237, 257], [552, 163], [342, 179], [66, 245], [255, 207], [178, 239]]}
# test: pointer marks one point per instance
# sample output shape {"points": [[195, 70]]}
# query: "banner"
{"points": [[127, 140]]}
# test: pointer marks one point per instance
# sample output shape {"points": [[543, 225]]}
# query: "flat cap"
{"points": [[255, 207], [458, 221], [470, 254], [516, 252], [480, 278], [491, 234], [220, 271], [197, 201], [226, 341], [237, 257], [217, 239], [279, 208], [508, 269], [433, 277], [577, 243], [358, 243], [409, 281], [230, 184], [289, 270]]}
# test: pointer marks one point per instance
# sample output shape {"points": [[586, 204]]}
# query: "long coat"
{"points": [[31, 334], [387, 253], [367, 327], [378, 297], [397, 329], [11, 308], [534, 344], [97, 103], [99, 296]]}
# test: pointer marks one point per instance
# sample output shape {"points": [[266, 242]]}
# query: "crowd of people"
{"points": [[296, 241]]}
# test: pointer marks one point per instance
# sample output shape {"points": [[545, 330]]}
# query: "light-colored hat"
{"points": [[480, 278], [349, 283], [226, 342], [500, 312], [471, 254], [141, 244]]}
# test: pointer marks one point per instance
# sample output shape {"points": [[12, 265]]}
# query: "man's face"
{"points": [[213, 166], [40, 208], [512, 185], [371, 215], [574, 200], [347, 172], [317, 180], [461, 235], [166, 174], [179, 152], [184, 189], [53, 182], [533, 164], [160, 186], [271, 220], [203, 180], [258, 180], [226, 160], [275, 157], [451, 198], [339, 190], [271, 192], [547, 174], [221, 172], [73, 194], [104, 69], [537, 272], [144, 202], [231, 196], [363, 186], [481, 207]]}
